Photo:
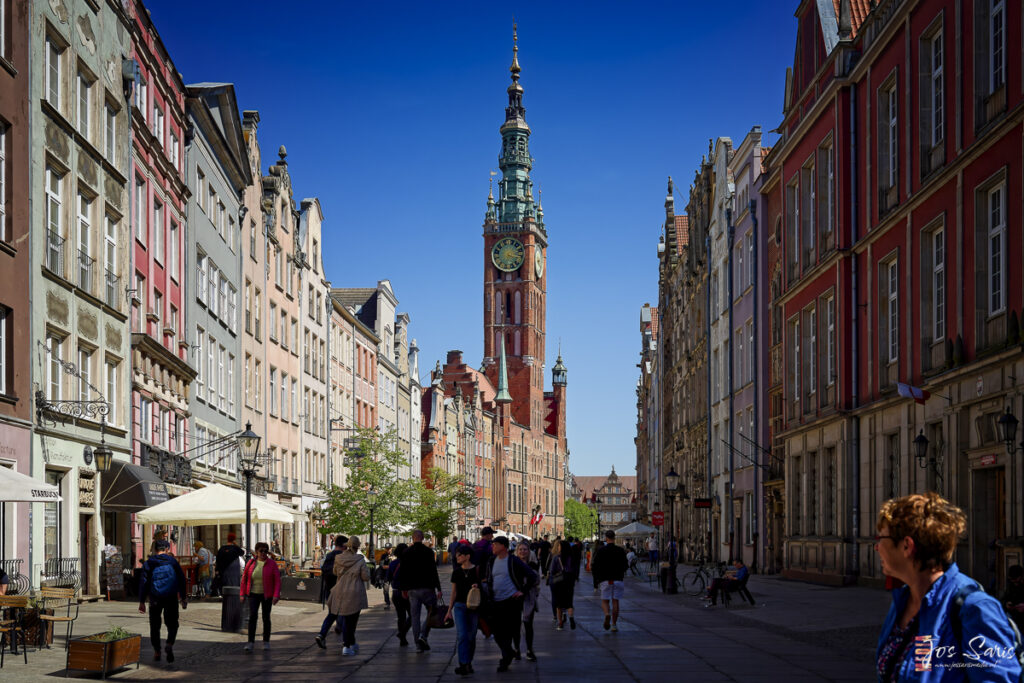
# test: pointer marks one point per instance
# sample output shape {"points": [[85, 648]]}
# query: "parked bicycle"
{"points": [[695, 582]]}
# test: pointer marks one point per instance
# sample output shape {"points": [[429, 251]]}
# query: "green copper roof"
{"points": [[503, 396]]}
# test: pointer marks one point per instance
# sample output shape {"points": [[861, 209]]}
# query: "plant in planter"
{"points": [[104, 652]]}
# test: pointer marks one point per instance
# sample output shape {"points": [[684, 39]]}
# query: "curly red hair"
{"points": [[933, 522]]}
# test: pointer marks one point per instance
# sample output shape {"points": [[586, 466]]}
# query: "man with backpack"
{"points": [[163, 582], [327, 577]]}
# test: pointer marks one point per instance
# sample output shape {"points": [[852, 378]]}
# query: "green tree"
{"points": [[439, 497], [580, 519], [373, 466]]}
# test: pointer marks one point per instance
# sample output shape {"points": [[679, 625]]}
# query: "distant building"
{"points": [[612, 496]]}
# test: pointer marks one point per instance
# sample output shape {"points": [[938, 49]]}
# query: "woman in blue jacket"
{"points": [[941, 625]]}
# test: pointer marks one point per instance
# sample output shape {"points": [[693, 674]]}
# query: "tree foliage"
{"points": [[580, 519], [439, 497], [373, 466]]}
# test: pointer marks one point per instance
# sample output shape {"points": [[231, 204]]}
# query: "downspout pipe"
{"points": [[707, 363], [757, 389], [731, 231], [854, 342]]}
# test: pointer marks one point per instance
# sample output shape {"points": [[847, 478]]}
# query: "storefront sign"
{"points": [[986, 460], [702, 502]]}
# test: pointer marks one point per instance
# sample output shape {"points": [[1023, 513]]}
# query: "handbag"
{"points": [[436, 618], [557, 577], [474, 597]]}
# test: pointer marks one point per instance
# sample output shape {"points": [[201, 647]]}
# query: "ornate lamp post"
{"points": [[1008, 431], [371, 498], [249, 461], [671, 490], [921, 455]]}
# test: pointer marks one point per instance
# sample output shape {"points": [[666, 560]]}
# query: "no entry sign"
{"points": [[658, 518]]}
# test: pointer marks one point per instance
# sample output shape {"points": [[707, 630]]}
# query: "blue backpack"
{"points": [[163, 582], [958, 626]]}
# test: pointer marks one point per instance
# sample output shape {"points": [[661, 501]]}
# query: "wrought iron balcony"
{"points": [[112, 288], [54, 253], [85, 264]]}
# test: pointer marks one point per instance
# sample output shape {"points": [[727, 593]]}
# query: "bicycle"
{"points": [[696, 582]]}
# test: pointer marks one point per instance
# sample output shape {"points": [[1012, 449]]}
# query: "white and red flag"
{"points": [[917, 393]]}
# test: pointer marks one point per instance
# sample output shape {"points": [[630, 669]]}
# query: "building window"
{"points": [[997, 45], [273, 391], [54, 369], [888, 143], [111, 277], [158, 124], [890, 271], [85, 260], [938, 238], [812, 352], [175, 151], [201, 276], [4, 353], [996, 249], [211, 372], [794, 366], [937, 90], [826, 195], [200, 194], [84, 374], [142, 98], [109, 133], [808, 204], [792, 230], [830, 340], [84, 84], [158, 230], [54, 54], [4, 132], [110, 368], [54, 221], [223, 375], [146, 419], [141, 207], [172, 246]]}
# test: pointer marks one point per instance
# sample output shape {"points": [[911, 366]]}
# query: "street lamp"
{"points": [[671, 490], [249, 462], [371, 497], [1008, 431]]}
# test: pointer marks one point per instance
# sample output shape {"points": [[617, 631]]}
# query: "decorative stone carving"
{"points": [[87, 170], [114, 338], [85, 34], [88, 326], [58, 8], [114, 190], [56, 307], [56, 140]]}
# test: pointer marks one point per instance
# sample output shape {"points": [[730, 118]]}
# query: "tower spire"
{"points": [[515, 55], [502, 396]]}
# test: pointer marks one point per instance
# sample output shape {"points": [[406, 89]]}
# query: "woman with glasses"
{"points": [[261, 588], [941, 625]]}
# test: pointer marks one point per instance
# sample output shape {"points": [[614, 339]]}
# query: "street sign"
{"points": [[702, 502], [987, 460], [658, 518]]}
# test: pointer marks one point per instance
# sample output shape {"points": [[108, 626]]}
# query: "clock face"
{"points": [[507, 254], [538, 262]]}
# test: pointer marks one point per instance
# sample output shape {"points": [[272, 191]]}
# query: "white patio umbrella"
{"points": [[215, 504], [635, 529], [21, 488]]}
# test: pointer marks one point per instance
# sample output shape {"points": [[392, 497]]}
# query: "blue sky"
{"points": [[390, 114]]}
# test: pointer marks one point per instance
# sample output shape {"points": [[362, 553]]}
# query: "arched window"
{"points": [[518, 308], [508, 307], [499, 316], [518, 351]]}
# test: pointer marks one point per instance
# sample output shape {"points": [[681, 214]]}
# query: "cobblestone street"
{"points": [[799, 631]]}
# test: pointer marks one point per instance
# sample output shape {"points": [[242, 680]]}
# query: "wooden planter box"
{"points": [[37, 631], [87, 654]]}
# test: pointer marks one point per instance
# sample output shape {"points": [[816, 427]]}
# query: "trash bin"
{"points": [[231, 609], [668, 581]]}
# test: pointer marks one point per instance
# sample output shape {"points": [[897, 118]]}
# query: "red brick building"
{"points": [[161, 373], [895, 195]]}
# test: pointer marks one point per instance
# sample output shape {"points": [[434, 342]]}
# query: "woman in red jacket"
{"points": [[261, 586]]}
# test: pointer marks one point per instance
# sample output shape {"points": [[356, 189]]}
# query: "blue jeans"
{"points": [[466, 622]]}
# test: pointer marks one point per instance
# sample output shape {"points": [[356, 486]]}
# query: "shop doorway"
{"points": [[85, 562], [987, 524]]}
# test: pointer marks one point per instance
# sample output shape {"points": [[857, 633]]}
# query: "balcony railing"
{"points": [[111, 288], [54, 253], [85, 264]]}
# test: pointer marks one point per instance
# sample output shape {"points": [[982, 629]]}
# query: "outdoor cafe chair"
{"points": [[59, 600], [12, 624]]}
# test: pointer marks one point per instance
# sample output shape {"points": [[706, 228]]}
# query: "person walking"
{"points": [[226, 563], [507, 579], [530, 598], [544, 554], [327, 577], [380, 577], [482, 548], [652, 552], [938, 606], [163, 582], [609, 566], [452, 547], [465, 577], [562, 580], [420, 586], [261, 589], [204, 567], [348, 597], [401, 602], [577, 556]]}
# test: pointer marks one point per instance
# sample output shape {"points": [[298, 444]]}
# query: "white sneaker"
{"points": [[347, 652], [248, 647], [266, 645], [615, 627]]}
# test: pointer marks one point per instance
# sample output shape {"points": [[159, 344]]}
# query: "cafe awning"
{"points": [[18, 487], [216, 504], [130, 488]]}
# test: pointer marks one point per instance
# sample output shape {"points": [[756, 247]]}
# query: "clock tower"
{"points": [[515, 257]]}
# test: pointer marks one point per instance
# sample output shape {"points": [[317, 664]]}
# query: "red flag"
{"points": [[918, 394]]}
